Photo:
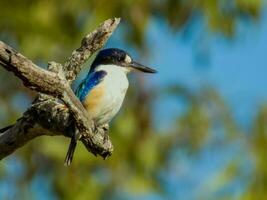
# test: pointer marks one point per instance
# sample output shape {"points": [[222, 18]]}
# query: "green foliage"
{"points": [[51, 29]]}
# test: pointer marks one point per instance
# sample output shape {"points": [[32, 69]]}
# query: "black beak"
{"points": [[142, 68]]}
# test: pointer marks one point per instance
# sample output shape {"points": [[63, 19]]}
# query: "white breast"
{"points": [[115, 85]]}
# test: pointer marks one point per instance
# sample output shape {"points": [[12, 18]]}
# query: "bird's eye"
{"points": [[121, 59], [127, 59]]}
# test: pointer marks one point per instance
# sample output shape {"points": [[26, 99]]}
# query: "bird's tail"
{"points": [[2, 130], [70, 152]]}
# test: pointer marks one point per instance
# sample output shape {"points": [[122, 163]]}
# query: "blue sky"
{"points": [[236, 67]]}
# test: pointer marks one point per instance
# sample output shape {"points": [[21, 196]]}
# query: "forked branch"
{"points": [[56, 110]]}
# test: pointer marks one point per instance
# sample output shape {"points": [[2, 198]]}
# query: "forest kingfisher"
{"points": [[103, 90]]}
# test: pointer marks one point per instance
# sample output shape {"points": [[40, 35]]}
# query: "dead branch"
{"points": [[56, 110]]}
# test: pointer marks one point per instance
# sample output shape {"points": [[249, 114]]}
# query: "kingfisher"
{"points": [[103, 90]]}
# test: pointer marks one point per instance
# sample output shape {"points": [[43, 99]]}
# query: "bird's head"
{"points": [[119, 58]]}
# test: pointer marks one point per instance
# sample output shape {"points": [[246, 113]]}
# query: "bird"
{"points": [[104, 88]]}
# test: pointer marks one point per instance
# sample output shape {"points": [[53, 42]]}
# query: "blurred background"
{"points": [[196, 130]]}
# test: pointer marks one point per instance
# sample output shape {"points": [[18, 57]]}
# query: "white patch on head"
{"points": [[127, 59], [113, 69]]}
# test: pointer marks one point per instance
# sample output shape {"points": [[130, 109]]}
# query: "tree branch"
{"points": [[90, 43], [32, 76], [47, 115]]}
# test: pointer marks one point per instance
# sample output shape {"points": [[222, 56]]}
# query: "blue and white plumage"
{"points": [[103, 90]]}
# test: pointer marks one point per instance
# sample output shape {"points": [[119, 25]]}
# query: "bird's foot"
{"points": [[104, 129], [60, 108]]}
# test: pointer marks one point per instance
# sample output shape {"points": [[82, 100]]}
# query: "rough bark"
{"points": [[56, 110]]}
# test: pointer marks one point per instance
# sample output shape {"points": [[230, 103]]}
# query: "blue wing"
{"points": [[89, 82]]}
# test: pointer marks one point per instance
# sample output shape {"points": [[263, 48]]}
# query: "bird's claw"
{"points": [[60, 108]]}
